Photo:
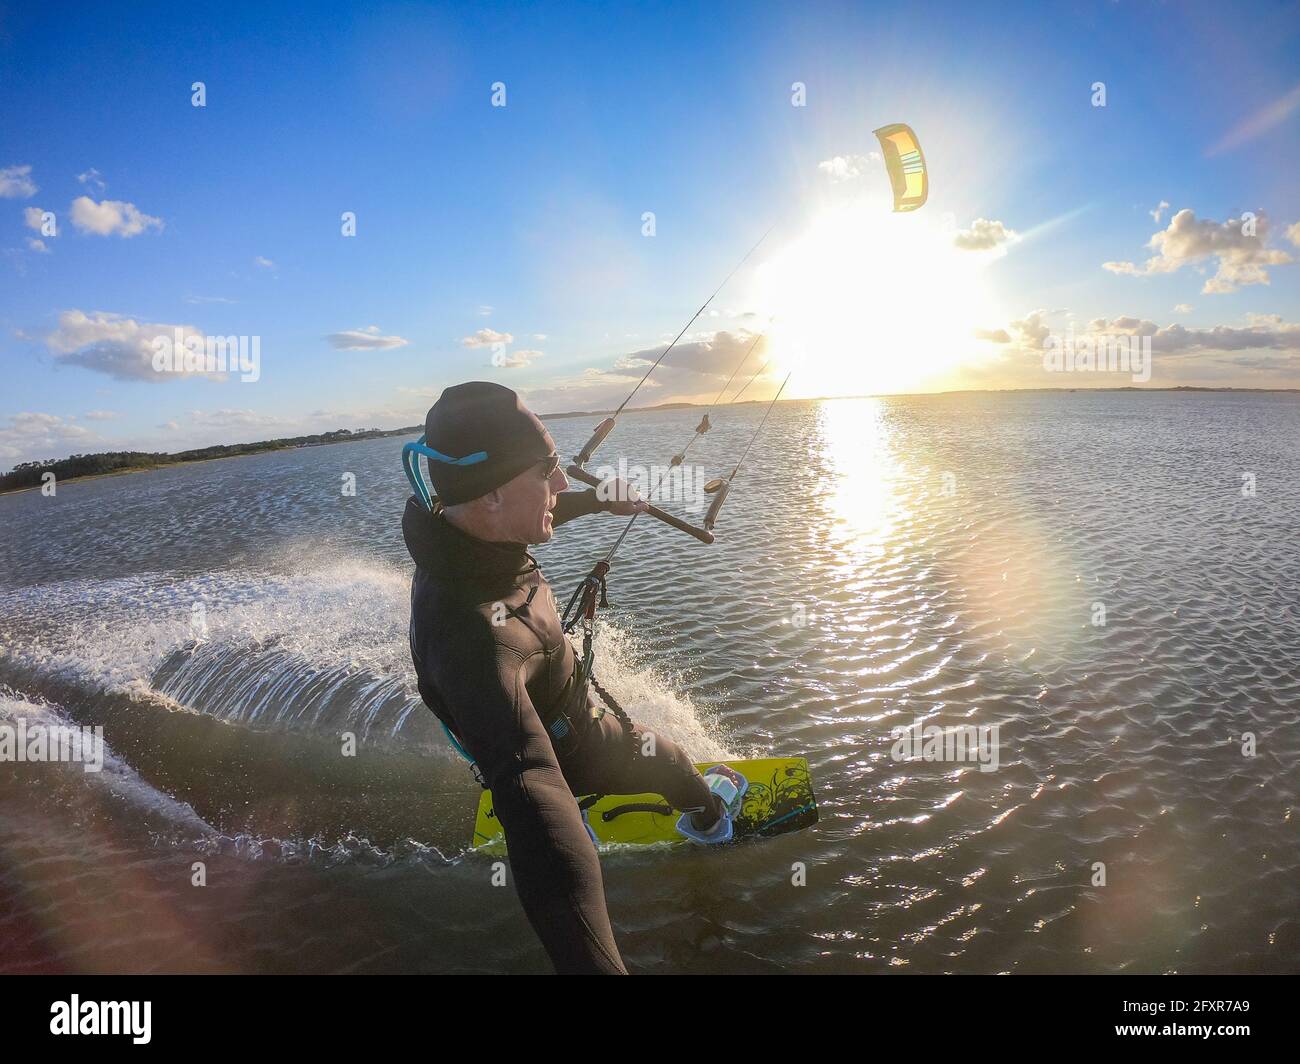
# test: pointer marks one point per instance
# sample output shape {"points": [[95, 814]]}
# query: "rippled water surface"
{"points": [[1110, 579]]}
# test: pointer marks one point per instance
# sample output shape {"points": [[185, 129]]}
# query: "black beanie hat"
{"points": [[486, 437]]}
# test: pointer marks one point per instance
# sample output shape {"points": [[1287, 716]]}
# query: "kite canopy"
{"points": [[906, 166]]}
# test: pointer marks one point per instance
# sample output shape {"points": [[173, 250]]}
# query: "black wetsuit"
{"points": [[495, 666]]}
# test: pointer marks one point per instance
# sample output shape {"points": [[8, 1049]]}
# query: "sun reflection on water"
{"points": [[859, 470]]}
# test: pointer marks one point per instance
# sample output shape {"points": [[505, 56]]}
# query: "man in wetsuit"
{"points": [[495, 666]]}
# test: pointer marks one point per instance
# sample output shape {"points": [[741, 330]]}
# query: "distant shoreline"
{"points": [[141, 462], [27, 477]]}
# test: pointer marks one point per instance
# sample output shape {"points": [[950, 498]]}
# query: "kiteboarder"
{"points": [[494, 664]]}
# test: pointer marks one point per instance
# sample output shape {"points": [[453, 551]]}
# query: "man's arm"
{"points": [[623, 500], [571, 504], [555, 866]]}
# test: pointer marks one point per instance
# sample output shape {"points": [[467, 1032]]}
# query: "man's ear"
{"points": [[493, 501]]}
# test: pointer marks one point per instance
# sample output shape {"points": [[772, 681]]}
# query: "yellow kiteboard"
{"points": [[780, 799]]}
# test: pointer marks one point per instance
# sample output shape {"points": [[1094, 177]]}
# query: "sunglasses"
{"points": [[550, 464]]}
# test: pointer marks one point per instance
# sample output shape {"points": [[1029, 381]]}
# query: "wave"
{"points": [[279, 708]]}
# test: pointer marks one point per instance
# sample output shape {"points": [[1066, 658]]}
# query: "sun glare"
{"points": [[868, 301]]}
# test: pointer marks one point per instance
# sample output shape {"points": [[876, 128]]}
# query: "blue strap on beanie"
{"points": [[479, 436]]}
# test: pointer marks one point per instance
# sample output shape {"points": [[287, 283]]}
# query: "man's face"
{"points": [[527, 503]]}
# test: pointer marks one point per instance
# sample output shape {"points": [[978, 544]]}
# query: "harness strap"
{"points": [[590, 596], [475, 771], [619, 712]]}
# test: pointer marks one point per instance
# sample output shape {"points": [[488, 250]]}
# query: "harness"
{"points": [[563, 719], [590, 594]]}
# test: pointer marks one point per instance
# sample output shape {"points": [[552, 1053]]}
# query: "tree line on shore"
{"points": [[29, 474]]}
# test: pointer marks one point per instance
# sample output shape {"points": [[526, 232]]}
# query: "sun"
{"points": [[872, 302]]}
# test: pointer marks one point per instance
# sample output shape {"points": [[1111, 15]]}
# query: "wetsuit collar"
{"points": [[443, 550]]}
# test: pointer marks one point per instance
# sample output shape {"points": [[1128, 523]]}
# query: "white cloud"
{"points": [[1161, 207], [1268, 332], [37, 245], [1186, 241], [1126, 324], [118, 346], [695, 372], [111, 217], [517, 358], [265, 263], [16, 183], [101, 415], [1182, 308], [984, 235], [44, 424], [1033, 328], [229, 418], [847, 167], [1264, 332], [1293, 233], [92, 178], [33, 436], [1229, 280], [487, 338], [368, 339], [1261, 351], [33, 218]]}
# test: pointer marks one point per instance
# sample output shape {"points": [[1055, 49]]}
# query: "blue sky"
{"points": [[475, 221]]}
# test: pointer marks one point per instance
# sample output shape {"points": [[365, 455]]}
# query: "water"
{"points": [[878, 561]]}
